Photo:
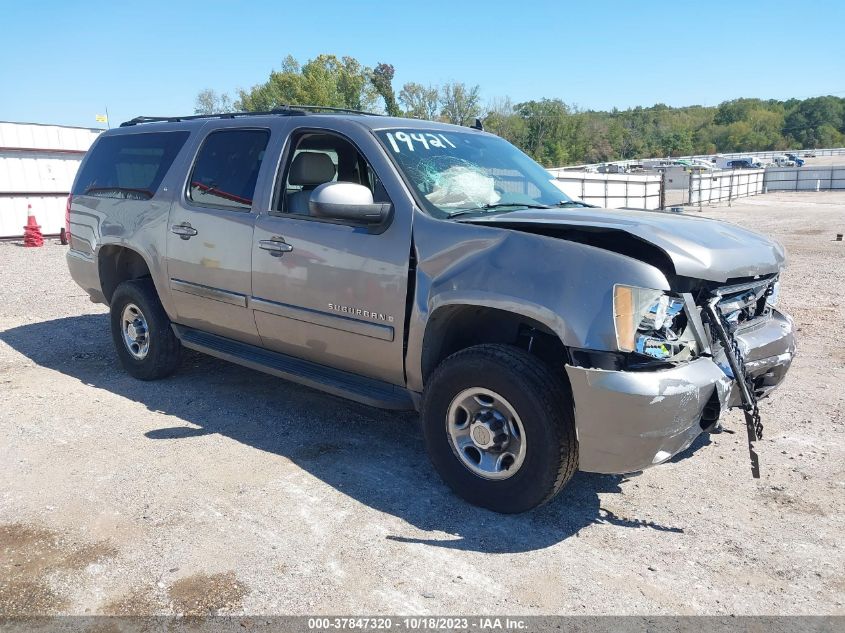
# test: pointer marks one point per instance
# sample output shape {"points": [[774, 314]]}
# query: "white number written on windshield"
{"points": [[426, 140]]}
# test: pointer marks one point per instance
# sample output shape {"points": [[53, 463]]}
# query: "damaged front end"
{"points": [[763, 335], [627, 293], [676, 370]]}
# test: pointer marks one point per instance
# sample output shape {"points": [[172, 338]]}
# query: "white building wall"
{"points": [[37, 166]]}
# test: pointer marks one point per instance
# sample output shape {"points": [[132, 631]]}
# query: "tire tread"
{"points": [[552, 390], [165, 348]]}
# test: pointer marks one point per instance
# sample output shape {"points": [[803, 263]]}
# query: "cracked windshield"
{"points": [[468, 173]]}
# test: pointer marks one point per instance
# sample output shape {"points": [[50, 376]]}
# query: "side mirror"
{"points": [[347, 201]]}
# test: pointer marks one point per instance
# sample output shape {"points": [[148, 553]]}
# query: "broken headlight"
{"points": [[652, 323], [772, 294]]}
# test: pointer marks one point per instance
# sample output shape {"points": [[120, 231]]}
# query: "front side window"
{"points": [[227, 167], [128, 166], [318, 158], [455, 173]]}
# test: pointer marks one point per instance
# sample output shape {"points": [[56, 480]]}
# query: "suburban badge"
{"points": [[367, 314]]}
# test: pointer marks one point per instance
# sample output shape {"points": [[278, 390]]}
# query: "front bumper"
{"points": [[627, 421]]}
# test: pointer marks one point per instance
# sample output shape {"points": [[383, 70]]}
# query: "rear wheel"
{"points": [[499, 428], [145, 343]]}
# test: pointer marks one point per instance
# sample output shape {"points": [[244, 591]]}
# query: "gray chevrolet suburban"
{"points": [[409, 264]]}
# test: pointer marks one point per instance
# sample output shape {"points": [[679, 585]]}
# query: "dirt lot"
{"points": [[823, 161], [225, 490]]}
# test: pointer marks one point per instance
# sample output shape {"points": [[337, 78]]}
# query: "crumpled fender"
{"points": [[566, 286]]}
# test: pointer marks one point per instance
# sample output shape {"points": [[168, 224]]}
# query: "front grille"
{"points": [[741, 304]]}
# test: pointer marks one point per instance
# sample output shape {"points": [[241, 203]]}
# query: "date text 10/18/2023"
{"points": [[421, 623]]}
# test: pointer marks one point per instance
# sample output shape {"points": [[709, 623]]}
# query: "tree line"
{"points": [[549, 130]]}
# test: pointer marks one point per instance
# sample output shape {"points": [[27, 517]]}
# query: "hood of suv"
{"points": [[697, 247]]}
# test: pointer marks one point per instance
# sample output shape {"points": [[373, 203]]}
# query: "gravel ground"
{"points": [[823, 161], [227, 491]]}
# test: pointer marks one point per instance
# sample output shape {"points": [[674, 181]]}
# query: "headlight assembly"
{"points": [[772, 294], [651, 323]]}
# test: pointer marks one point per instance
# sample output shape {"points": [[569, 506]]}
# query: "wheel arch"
{"points": [[456, 326], [117, 263]]}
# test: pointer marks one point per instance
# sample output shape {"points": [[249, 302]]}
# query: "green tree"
{"points": [[420, 102], [549, 130], [677, 142], [829, 136], [501, 120], [732, 111], [382, 80], [806, 122], [460, 105], [324, 80], [211, 102]]}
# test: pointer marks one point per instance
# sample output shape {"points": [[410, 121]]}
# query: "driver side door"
{"points": [[328, 291]]}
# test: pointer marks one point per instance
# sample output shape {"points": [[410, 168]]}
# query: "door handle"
{"points": [[276, 247], [184, 230]]}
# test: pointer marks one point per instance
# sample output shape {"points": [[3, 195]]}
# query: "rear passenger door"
{"points": [[210, 231]]}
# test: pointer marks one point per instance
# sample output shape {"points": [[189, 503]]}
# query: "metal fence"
{"points": [[829, 151], [655, 191], [805, 178], [708, 187], [612, 191]]}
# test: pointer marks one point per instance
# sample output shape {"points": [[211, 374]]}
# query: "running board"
{"points": [[369, 391]]}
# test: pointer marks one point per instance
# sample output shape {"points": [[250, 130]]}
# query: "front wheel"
{"points": [[145, 343], [499, 428]]}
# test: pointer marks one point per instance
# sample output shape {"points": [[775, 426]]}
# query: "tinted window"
{"points": [[129, 165], [227, 168]]}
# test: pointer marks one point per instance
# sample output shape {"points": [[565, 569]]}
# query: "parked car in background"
{"points": [[740, 163], [743, 162], [783, 161], [696, 164], [611, 168], [799, 162]]}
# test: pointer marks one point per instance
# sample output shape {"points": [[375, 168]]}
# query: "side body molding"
{"points": [[326, 319]]}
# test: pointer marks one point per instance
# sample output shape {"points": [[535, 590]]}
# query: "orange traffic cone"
{"points": [[32, 231]]}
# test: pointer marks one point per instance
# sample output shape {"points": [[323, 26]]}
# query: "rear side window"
{"points": [[227, 167], [129, 166]]}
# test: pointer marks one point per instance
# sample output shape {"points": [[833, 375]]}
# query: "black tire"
{"points": [[542, 401], [165, 350]]}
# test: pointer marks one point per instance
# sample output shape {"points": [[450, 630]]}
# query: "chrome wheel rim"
{"points": [[486, 434], [136, 337]]}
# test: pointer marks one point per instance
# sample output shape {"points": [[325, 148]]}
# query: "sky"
{"points": [[64, 62]]}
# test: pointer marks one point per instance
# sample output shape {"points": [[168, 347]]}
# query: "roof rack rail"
{"points": [[285, 110], [316, 108]]}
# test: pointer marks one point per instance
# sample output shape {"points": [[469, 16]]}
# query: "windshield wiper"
{"points": [[563, 204], [496, 206]]}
